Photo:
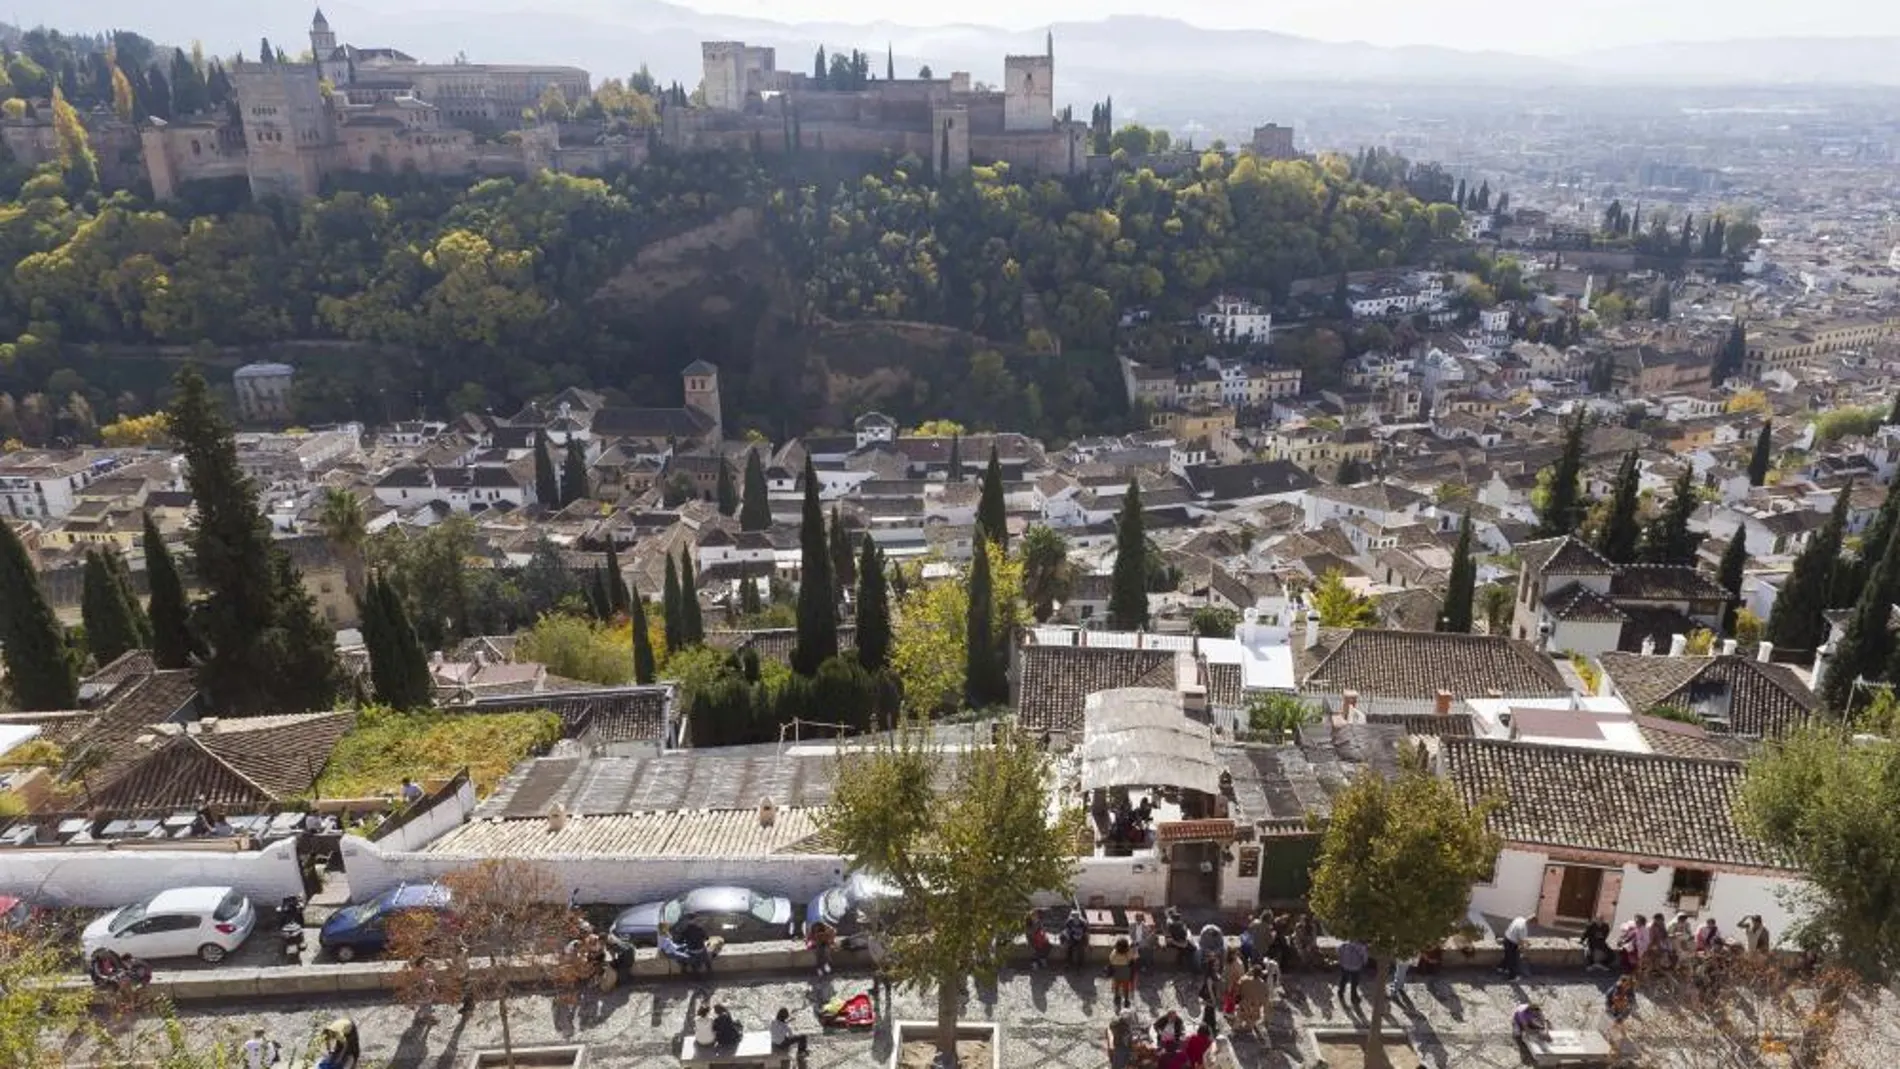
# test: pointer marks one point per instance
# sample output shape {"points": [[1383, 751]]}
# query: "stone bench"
{"points": [[1566, 1046], [753, 1049]]}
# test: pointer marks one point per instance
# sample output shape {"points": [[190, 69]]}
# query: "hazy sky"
{"points": [[1501, 24]]}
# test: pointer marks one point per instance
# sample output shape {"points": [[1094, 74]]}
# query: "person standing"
{"points": [[260, 1051], [1210, 949], [1141, 937], [1515, 934], [1352, 965], [1121, 973], [1400, 967]]}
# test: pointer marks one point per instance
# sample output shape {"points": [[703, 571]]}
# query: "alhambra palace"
{"points": [[379, 110]]}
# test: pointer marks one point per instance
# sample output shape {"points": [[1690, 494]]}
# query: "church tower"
{"points": [[322, 41], [702, 394]]}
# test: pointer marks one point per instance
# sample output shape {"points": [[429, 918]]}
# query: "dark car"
{"points": [[845, 906], [363, 929], [735, 914]]}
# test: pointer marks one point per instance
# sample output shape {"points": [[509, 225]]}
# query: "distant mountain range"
{"points": [[613, 37]]}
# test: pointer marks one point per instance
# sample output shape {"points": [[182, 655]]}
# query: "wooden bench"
{"points": [[1564, 1046], [753, 1049]]}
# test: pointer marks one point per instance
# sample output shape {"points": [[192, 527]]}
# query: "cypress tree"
{"points": [[172, 642], [874, 609], [619, 601], [844, 566], [1461, 590], [755, 509], [1128, 587], [1868, 642], [692, 623], [955, 474], [1667, 539], [991, 517], [643, 667], [122, 578], [40, 675], [1729, 574], [547, 486], [398, 667], [985, 682], [750, 603], [1853, 572], [599, 602], [375, 630], [817, 597], [1798, 621], [1618, 538], [268, 650], [573, 472], [1563, 504], [725, 493], [673, 622], [1893, 414], [1764, 449], [110, 629]]}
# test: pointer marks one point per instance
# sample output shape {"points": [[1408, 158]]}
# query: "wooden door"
{"points": [[1577, 895]]}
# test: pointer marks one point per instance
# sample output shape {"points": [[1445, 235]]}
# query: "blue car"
{"points": [[363, 929], [844, 907]]}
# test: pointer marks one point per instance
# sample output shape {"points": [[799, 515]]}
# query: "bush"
{"points": [[578, 648]]}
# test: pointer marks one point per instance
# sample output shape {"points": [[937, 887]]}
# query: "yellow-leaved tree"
{"points": [[929, 648]]}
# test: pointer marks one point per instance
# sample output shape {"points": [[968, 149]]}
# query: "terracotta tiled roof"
{"points": [[1576, 603], [1181, 831], [1224, 685], [1762, 699], [1426, 724], [1563, 555], [1056, 679], [1419, 664], [1665, 582], [1640, 805], [250, 763]]}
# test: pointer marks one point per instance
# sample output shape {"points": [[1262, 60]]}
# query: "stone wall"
{"points": [[99, 877]]}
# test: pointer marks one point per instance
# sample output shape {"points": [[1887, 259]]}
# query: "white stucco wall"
{"points": [[1518, 884], [1117, 879], [1589, 638], [102, 878]]}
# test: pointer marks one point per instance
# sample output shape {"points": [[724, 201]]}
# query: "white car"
{"points": [[209, 922]]}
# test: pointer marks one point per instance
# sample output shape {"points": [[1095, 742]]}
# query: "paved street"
{"points": [[1050, 1020]]}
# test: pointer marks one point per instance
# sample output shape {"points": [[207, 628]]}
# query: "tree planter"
{"points": [[915, 1034], [560, 1057]]}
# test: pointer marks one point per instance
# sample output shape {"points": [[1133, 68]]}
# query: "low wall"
{"points": [[1116, 880], [97, 877], [620, 880]]}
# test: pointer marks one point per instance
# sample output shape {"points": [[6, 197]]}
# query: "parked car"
{"points": [[736, 914], [845, 906], [362, 929], [209, 922], [15, 913]]}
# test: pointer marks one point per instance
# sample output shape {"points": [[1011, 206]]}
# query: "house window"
{"points": [[1689, 889]]}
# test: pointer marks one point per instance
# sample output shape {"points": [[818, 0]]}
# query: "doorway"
{"points": [[1577, 895], [1194, 875]]}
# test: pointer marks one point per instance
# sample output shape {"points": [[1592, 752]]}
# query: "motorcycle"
{"points": [[291, 926]]}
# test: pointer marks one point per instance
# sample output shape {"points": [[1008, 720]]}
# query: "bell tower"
{"points": [[322, 41]]}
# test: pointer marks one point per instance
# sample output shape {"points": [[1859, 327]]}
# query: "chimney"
{"points": [[1312, 629], [768, 813], [1082, 637], [1766, 653], [208, 725], [1348, 705], [1441, 703], [1728, 647], [557, 818], [1822, 657], [1678, 645]]}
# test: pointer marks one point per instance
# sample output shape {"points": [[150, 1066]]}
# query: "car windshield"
{"points": [[762, 909], [670, 913], [127, 917], [836, 904], [232, 905]]}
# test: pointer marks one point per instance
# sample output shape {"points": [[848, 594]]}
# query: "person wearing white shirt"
{"points": [[1514, 936], [259, 1051]]}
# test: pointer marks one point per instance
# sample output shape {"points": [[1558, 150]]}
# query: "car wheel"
{"points": [[346, 953], [211, 953]]}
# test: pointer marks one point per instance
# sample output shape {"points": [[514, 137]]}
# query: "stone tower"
{"points": [[950, 144], [322, 41], [722, 66], [289, 133], [1029, 98], [702, 394]]}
